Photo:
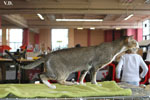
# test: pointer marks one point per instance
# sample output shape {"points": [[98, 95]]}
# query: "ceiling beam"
{"points": [[145, 18], [109, 17], [27, 0], [89, 0], [51, 17], [75, 11], [58, 0], [120, 18], [63, 16], [126, 1], [72, 6], [85, 24], [35, 30], [75, 26], [16, 20], [53, 9]]}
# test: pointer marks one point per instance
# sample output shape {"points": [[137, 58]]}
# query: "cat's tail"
{"points": [[34, 64]]}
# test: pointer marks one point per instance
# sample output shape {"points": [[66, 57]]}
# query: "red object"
{"points": [[78, 77], [114, 70], [79, 73], [147, 75], [4, 47], [29, 50], [49, 81], [23, 47], [113, 65]]}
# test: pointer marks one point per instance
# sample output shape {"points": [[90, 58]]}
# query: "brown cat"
{"points": [[61, 63]]}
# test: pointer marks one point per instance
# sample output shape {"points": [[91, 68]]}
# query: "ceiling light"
{"points": [[40, 16], [80, 28], [128, 17], [90, 20], [118, 28], [92, 28]]}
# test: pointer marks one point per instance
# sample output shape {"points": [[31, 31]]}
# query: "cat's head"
{"points": [[130, 42]]}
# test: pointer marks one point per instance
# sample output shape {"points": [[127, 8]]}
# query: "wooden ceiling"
{"points": [[23, 13]]}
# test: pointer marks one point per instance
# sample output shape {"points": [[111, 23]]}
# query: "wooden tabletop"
{"points": [[22, 60]]}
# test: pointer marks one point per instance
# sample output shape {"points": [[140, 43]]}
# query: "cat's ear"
{"points": [[128, 38], [131, 37]]}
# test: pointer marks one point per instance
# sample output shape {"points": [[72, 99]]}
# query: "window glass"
{"points": [[59, 39], [15, 38], [146, 30]]}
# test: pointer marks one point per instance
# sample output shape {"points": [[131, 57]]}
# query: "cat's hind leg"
{"points": [[62, 77], [45, 79], [93, 72], [64, 82]]}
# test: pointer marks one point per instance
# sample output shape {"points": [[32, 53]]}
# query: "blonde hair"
{"points": [[132, 50]]}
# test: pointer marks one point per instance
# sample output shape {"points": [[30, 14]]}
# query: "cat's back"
{"points": [[72, 51], [73, 55]]}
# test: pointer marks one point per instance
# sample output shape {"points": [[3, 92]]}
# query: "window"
{"points": [[14, 38], [59, 39], [146, 30]]}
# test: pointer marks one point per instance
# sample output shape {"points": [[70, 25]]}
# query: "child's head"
{"points": [[132, 50]]}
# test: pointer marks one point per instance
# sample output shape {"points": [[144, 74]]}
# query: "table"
{"points": [[5, 62]]}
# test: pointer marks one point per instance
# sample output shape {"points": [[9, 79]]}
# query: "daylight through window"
{"points": [[15, 38], [59, 39]]}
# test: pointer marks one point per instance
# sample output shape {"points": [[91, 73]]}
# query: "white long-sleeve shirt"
{"points": [[130, 64]]}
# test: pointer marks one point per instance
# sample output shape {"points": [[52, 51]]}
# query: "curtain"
{"points": [[89, 37], [117, 34], [108, 36], [36, 38], [25, 40], [137, 33]]}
